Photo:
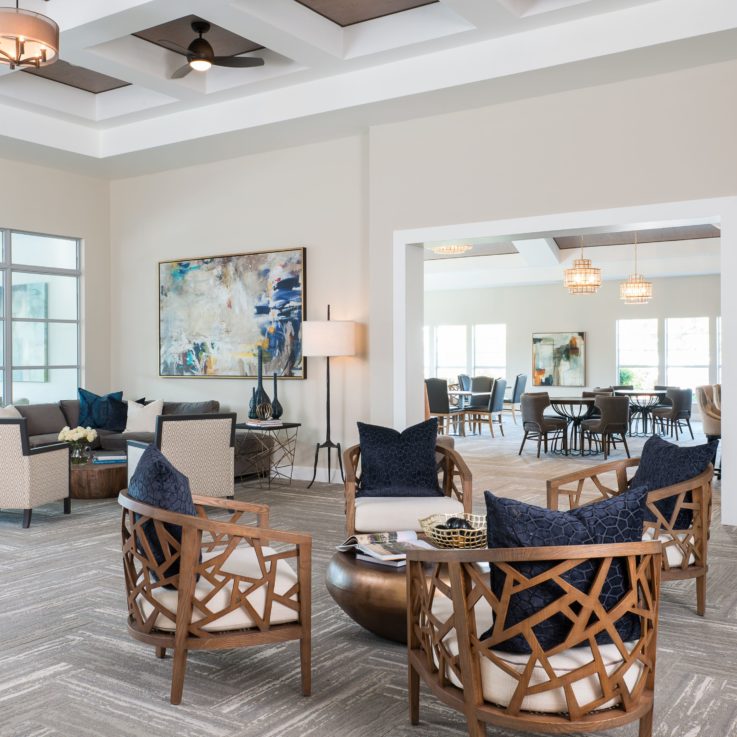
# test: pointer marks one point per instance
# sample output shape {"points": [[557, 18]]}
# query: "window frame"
{"points": [[7, 268]]}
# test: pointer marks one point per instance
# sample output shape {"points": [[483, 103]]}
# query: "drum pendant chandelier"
{"points": [[636, 291], [27, 39], [583, 278]]}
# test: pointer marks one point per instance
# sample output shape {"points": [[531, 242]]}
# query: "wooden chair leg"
{"points": [[514, 415], [524, 438], [688, 424], [674, 428], [605, 443], [646, 725], [160, 652], [545, 442], [501, 424], [701, 595], [305, 663], [27, 518], [626, 449], [491, 425], [177, 675], [476, 728], [414, 695], [539, 442]]}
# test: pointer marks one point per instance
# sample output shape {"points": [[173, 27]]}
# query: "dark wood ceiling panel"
{"points": [[348, 12], [83, 79], [223, 41], [654, 235]]}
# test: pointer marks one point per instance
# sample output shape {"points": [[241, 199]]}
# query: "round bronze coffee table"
{"points": [[97, 480], [372, 595]]}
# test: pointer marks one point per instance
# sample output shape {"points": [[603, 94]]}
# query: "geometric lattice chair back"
{"points": [[678, 516], [202, 447], [591, 678], [198, 583]]}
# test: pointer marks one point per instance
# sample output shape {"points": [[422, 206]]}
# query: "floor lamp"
{"points": [[328, 339]]}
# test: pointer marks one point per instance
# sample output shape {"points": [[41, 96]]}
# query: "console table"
{"points": [[276, 446]]}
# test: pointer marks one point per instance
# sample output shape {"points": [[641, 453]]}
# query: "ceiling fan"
{"points": [[200, 55]]}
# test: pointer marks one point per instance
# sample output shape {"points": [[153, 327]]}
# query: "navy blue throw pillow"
{"points": [[664, 464], [157, 483], [514, 524], [398, 464], [106, 412]]}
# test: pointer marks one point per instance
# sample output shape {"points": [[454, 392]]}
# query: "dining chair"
{"points": [[520, 382], [538, 426], [439, 406], [614, 421], [493, 412], [671, 418], [464, 384]]}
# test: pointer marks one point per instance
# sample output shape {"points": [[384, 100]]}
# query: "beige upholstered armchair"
{"points": [[709, 398], [31, 476], [685, 551], [200, 446], [221, 586], [391, 514], [457, 627]]}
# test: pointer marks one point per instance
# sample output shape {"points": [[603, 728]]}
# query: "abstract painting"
{"points": [[214, 314], [558, 359]]}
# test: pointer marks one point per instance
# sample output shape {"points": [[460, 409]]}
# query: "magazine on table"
{"points": [[388, 563], [391, 551], [403, 536]]}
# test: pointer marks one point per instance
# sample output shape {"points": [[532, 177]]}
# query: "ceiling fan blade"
{"points": [[176, 48], [182, 71], [238, 61]]}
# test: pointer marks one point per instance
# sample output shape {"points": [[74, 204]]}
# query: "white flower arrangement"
{"points": [[78, 435]]}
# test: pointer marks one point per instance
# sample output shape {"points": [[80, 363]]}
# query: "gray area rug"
{"points": [[69, 669]]}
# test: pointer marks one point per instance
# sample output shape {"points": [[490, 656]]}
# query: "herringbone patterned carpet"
{"points": [[69, 669]]}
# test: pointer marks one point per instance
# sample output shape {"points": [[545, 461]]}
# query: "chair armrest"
{"points": [[454, 465], [134, 451], [555, 485], [49, 449], [238, 508], [351, 457]]}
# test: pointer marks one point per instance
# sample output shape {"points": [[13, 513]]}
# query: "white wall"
{"points": [[312, 196], [54, 202], [549, 308]]}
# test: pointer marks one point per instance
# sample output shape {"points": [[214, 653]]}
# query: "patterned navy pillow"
{"points": [[157, 483], [106, 412], [514, 524], [664, 464], [398, 464]]}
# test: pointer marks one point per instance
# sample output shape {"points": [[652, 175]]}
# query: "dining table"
{"points": [[575, 410], [642, 402]]}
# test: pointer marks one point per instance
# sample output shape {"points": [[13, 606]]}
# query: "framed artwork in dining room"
{"points": [[215, 312], [559, 359]]}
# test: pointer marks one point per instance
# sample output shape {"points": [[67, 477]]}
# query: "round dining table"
{"points": [[575, 410], [642, 401]]}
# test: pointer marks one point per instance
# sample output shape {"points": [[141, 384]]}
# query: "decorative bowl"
{"points": [[473, 538]]}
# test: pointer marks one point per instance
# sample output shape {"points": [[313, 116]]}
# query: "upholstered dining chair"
{"points": [[221, 587], [513, 402], [439, 406], [612, 422], [391, 514], [31, 476], [539, 426], [457, 625], [711, 415], [493, 411], [202, 447], [683, 530], [464, 384], [671, 418]]}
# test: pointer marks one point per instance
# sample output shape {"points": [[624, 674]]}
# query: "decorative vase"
{"points": [[252, 406], [263, 411], [276, 409], [78, 456], [261, 396]]}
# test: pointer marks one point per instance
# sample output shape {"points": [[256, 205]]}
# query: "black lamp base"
{"points": [[329, 445]]}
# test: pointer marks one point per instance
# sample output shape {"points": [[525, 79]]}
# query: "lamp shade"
{"points": [[328, 338], [27, 38]]}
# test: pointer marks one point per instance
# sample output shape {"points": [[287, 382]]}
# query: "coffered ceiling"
{"points": [[344, 63]]}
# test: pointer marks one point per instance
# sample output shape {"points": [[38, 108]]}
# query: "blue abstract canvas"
{"points": [[214, 314]]}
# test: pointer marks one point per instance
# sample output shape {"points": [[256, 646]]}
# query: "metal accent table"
{"points": [[575, 410], [278, 452], [642, 401]]}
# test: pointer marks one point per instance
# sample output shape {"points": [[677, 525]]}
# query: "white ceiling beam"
{"points": [[484, 14], [539, 251]]}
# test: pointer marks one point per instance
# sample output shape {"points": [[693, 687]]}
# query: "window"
{"points": [[687, 351], [490, 350], [450, 352], [39, 316], [637, 353]]}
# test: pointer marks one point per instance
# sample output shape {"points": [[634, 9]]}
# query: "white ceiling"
{"points": [[398, 65]]}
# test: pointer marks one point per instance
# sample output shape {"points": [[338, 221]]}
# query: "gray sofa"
{"points": [[44, 421]]}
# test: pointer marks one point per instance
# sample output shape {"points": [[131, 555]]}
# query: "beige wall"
{"points": [[310, 196], [54, 202], [549, 308]]}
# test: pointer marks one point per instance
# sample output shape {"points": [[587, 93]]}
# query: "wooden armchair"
{"points": [[685, 550], [230, 589], [579, 685], [402, 513]]}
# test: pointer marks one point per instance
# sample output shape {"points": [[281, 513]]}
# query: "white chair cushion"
{"points": [[391, 514], [498, 686], [142, 417], [242, 562], [673, 553]]}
